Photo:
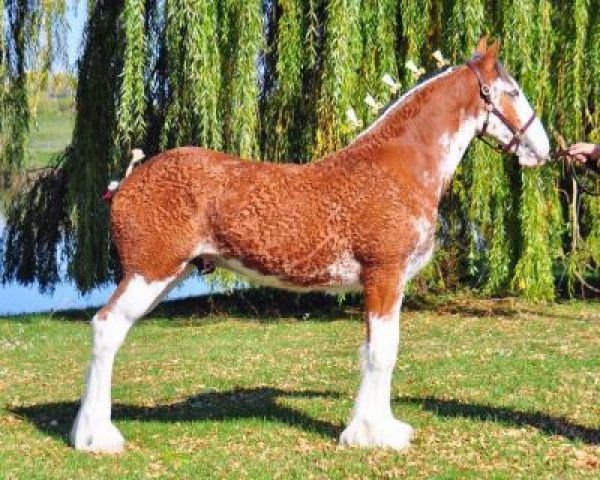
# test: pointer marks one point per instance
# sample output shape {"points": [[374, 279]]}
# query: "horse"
{"points": [[360, 219]]}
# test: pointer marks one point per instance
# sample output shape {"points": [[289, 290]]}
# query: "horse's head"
{"points": [[506, 114]]}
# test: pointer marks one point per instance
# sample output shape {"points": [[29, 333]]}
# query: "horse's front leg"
{"points": [[373, 423]]}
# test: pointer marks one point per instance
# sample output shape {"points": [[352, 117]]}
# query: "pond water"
{"points": [[16, 299]]}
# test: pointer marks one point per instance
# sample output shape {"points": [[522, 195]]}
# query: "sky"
{"points": [[76, 17]]}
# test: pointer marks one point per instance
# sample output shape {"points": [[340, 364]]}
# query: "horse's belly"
{"points": [[342, 274]]}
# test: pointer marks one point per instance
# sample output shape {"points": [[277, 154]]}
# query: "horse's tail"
{"points": [[137, 155]]}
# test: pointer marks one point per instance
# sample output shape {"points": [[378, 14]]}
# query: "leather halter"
{"points": [[490, 107]]}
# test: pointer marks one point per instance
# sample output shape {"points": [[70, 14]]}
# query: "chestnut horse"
{"points": [[360, 219]]}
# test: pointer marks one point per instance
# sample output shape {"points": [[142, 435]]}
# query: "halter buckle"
{"points": [[485, 91]]}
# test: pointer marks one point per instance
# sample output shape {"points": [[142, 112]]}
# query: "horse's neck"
{"points": [[429, 146]]}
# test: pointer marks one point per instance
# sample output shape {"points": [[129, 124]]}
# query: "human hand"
{"points": [[583, 152]]}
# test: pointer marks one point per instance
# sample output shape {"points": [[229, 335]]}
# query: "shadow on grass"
{"points": [[510, 308], [545, 423], [55, 419], [265, 304], [256, 304]]}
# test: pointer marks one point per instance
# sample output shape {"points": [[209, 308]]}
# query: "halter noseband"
{"points": [[490, 107]]}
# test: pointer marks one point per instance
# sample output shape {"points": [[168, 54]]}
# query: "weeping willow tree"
{"points": [[533, 275], [475, 198], [277, 79], [31, 41], [592, 118], [414, 28]]}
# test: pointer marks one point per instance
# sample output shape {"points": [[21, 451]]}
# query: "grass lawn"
{"points": [[495, 389], [50, 134]]}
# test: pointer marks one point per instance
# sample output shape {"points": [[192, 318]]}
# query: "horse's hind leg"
{"points": [[93, 430]]}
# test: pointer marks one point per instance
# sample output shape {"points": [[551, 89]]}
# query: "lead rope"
{"points": [[577, 186], [562, 154]]}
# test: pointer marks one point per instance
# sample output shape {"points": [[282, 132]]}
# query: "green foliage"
{"points": [[491, 245], [481, 172], [465, 27], [415, 17], [193, 74], [242, 88], [93, 157], [37, 221], [14, 115], [593, 67], [285, 104], [132, 102], [31, 39], [341, 57], [378, 40], [533, 276]]}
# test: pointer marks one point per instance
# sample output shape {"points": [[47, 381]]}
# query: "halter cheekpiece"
{"points": [[490, 107]]}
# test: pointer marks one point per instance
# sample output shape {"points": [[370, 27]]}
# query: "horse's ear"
{"points": [[490, 58], [481, 46]]}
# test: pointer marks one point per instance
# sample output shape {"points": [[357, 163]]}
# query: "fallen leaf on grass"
{"points": [[584, 459]]}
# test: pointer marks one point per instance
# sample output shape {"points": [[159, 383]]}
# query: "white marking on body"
{"points": [[345, 270], [93, 430], [454, 146], [423, 251], [205, 247], [403, 98], [428, 179], [237, 266], [373, 423]]}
